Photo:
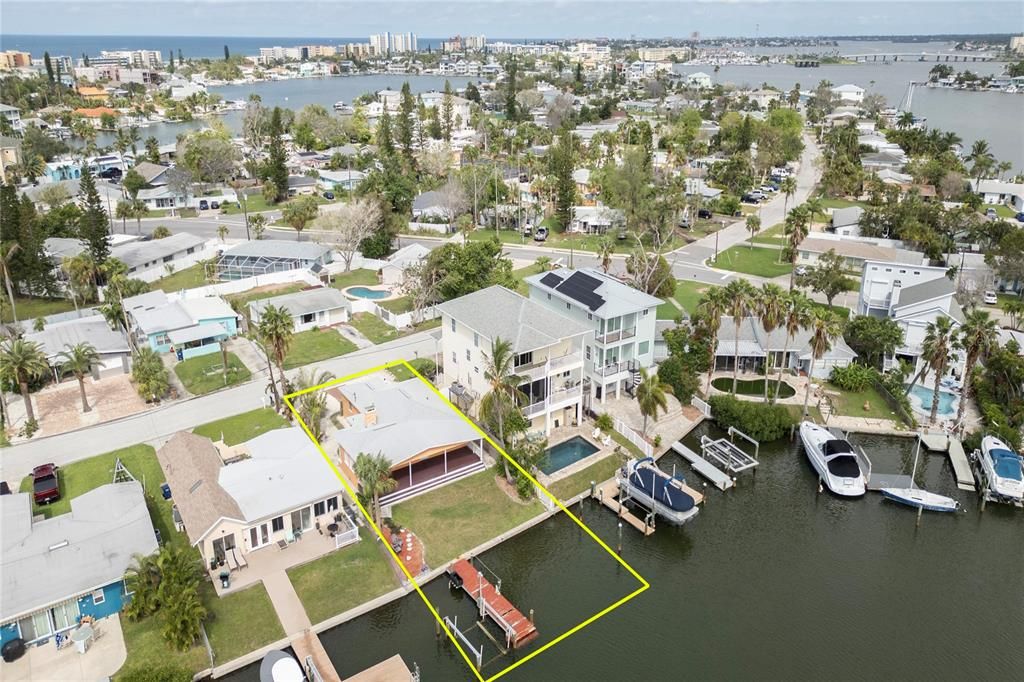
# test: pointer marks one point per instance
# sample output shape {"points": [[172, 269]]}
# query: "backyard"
{"points": [[242, 427], [851, 403], [402, 304], [316, 345], [343, 579], [31, 308], [462, 515], [579, 482], [379, 331], [353, 278], [204, 374], [188, 278], [758, 261]]}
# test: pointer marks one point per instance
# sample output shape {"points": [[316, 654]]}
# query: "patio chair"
{"points": [[289, 537], [596, 433], [606, 441]]}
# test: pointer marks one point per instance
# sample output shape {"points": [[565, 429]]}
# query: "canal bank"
{"points": [[771, 581]]}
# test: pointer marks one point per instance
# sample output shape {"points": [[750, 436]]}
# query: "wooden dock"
{"points": [[518, 629], [718, 478], [607, 494], [308, 648], [940, 442], [393, 669]]}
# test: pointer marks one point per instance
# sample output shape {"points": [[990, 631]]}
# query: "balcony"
{"points": [[554, 400], [535, 370], [617, 335], [614, 368]]}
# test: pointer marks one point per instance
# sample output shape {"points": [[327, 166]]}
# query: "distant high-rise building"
{"points": [[13, 59], [1017, 44], [387, 42]]}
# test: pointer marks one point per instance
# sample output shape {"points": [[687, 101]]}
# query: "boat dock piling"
{"points": [[940, 442], [607, 493], [518, 628]]}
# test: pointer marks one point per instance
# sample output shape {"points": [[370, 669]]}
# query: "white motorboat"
{"points": [[1004, 468], [834, 459], [280, 666], [922, 499]]}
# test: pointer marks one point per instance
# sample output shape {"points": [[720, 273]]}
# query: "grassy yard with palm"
{"points": [[205, 373], [242, 427], [316, 345], [757, 261], [187, 278]]}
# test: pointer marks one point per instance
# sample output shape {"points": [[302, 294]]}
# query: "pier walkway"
{"points": [[296, 625], [607, 494], [718, 478], [940, 442], [517, 627]]}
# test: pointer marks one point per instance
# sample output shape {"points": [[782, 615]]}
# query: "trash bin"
{"points": [[225, 579]]}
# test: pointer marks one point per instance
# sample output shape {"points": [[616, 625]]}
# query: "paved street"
{"points": [[156, 425]]}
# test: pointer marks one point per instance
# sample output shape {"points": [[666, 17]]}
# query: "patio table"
{"points": [[81, 637]]}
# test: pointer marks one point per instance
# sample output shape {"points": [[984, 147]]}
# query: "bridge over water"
{"points": [[920, 57]]}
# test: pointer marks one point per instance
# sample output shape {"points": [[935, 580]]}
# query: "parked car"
{"points": [[991, 213], [704, 213], [1020, 217], [750, 198], [684, 223], [215, 204], [204, 205], [45, 486], [110, 174], [329, 195], [541, 234], [990, 298], [801, 270], [767, 189]]}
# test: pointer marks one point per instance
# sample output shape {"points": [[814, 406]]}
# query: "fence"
{"points": [[701, 405], [437, 228], [239, 285], [396, 320], [188, 260], [627, 432], [894, 403]]}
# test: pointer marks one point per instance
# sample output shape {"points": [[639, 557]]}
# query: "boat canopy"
{"points": [[1006, 464], [837, 446], [657, 485]]}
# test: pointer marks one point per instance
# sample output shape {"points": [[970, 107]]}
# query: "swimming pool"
{"points": [[367, 292], [921, 401], [567, 452]]}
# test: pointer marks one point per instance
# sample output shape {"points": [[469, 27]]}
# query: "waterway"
{"points": [[771, 581]]}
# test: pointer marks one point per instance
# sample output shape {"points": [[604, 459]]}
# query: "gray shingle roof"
{"points": [[48, 561], [925, 291], [305, 302], [279, 248], [842, 217], [496, 312], [134, 254]]}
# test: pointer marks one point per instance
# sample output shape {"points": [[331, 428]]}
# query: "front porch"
{"points": [[431, 472], [245, 570]]}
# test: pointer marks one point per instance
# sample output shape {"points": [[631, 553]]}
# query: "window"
{"points": [[588, 352], [549, 297], [453, 324], [646, 311], [568, 306], [476, 340], [308, 317], [98, 597], [168, 259], [332, 504], [903, 272], [467, 354], [454, 359], [476, 370], [319, 509], [644, 347], [590, 316], [277, 524]]}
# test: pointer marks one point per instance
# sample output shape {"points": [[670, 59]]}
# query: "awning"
{"points": [[197, 332]]}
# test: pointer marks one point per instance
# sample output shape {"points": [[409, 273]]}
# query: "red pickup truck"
{"points": [[45, 486]]}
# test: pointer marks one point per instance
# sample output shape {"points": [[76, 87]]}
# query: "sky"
{"points": [[511, 18]]}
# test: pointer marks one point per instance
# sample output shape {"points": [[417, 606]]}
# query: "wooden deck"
{"points": [[393, 669], [940, 442], [518, 628], [308, 645], [607, 494]]}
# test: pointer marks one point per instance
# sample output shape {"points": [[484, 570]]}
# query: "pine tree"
{"points": [[405, 121], [277, 169], [92, 223], [447, 108], [511, 106], [227, 54], [385, 141], [49, 66], [181, 58], [170, 59], [561, 165], [34, 265]]}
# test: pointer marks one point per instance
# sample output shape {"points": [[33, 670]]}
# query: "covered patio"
{"points": [[430, 468], [104, 657]]}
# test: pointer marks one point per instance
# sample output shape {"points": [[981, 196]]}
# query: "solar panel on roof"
{"points": [[551, 280], [580, 287]]}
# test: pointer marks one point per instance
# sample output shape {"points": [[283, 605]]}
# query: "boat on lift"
{"points": [[280, 666], [922, 499], [666, 495], [834, 460], [1004, 468]]}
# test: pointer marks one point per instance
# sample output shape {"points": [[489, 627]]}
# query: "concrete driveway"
{"points": [[102, 659]]}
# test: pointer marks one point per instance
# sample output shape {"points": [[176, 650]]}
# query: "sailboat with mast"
{"points": [[916, 497]]}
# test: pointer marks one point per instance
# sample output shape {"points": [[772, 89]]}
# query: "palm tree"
{"points": [[940, 341], [543, 263], [709, 311], [312, 406], [905, 120], [139, 210], [797, 229], [824, 328], [7, 251], [796, 315], [769, 307], [183, 622], [374, 474], [22, 361], [123, 211], [979, 335], [276, 329], [788, 189], [936, 334], [605, 249], [504, 396], [740, 297], [753, 225], [78, 360], [814, 207], [651, 395]]}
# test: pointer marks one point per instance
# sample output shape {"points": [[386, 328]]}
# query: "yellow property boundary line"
{"points": [[644, 585]]}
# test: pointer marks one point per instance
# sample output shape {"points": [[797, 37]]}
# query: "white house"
{"points": [[997, 192], [410, 255], [548, 348], [461, 107], [845, 222], [111, 346], [321, 307], [13, 116], [849, 93], [755, 347], [428, 205], [621, 318], [596, 219], [698, 80], [914, 296], [390, 99], [764, 98]]}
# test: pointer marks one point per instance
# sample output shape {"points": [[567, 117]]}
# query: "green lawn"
{"points": [[203, 374], [424, 366], [353, 278], [851, 403], [689, 295], [462, 515], [773, 235], [521, 274], [240, 622], [343, 579], [255, 203], [668, 311], [841, 203], [1002, 210], [316, 345], [188, 278], [374, 328], [840, 311], [579, 482], [757, 261], [85, 475], [400, 305], [31, 308], [242, 427], [258, 294], [147, 650]]}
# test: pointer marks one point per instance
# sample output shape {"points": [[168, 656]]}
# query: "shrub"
{"points": [[166, 673], [605, 422], [761, 421], [853, 377], [425, 366], [684, 382]]}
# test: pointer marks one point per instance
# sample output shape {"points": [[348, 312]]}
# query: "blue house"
{"points": [[189, 327], [57, 570]]}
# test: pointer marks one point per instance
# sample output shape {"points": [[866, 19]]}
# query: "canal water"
{"points": [[771, 581]]}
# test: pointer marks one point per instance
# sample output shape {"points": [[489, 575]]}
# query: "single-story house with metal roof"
{"points": [[57, 570], [301, 184], [410, 255], [996, 192], [263, 256], [596, 219], [321, 307], [112, 346], [189, 327], [236, 503], [426, 442], [144, 255], [855, 252], [755, 346]]}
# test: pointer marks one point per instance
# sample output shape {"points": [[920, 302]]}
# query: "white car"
{"points": [[990, 298]]}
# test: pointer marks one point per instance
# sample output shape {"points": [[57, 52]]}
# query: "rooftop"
{"points": [[279, 248], [496, 312], [305, 302], [56, 338], [600, 294], [134, 254]]}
